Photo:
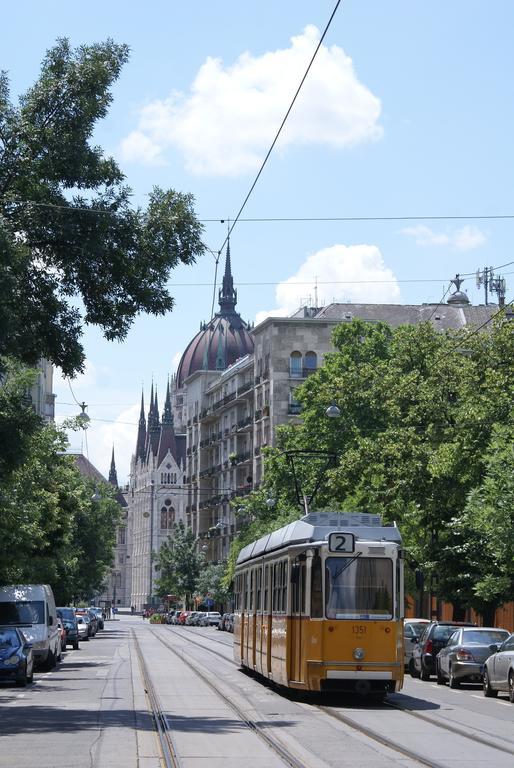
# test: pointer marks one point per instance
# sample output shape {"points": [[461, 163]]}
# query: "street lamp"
{"points": [[333, 411]]}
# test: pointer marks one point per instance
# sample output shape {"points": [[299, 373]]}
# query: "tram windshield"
{"points": [[359, 588]]}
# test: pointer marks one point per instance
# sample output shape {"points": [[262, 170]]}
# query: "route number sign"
{"points": [[341, 542]]}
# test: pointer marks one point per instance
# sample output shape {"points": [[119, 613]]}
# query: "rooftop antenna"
{"points": [[316, 292]]}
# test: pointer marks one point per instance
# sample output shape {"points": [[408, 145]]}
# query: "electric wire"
{"points": [[281, 125], [270, 219]]}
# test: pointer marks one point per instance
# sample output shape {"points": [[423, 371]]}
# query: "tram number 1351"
{"points": [[341, 542]]}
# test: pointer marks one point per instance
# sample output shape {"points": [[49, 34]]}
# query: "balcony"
{"points": [[244, 387], [265, 410], [257, 380], [257, 450], [294, 409], [229, 398], [244, 490], [242, 458], [258, 414], [246, 422]]}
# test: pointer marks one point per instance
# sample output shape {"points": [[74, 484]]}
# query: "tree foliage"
{"points": [[67, 228], [422, 414], [179, 564]]}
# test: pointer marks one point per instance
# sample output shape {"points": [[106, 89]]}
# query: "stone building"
{"points": [[234, 386]]}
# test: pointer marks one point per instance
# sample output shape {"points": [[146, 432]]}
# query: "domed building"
{"points": [[158, 487], [217, 345]]}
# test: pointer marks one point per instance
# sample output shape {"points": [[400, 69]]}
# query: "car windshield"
{"points": [[8, 639], [359, 588], [22, 612], [443, 631], [68, 614], [484, 636], [416, 628]]}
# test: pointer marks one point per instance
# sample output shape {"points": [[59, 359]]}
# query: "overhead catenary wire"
{"points": [[270, 150], [292, 219]]}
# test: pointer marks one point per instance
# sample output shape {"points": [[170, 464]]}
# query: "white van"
{"points": [[32, 608]]}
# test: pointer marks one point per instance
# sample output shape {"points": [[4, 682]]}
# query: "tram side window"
{"points": [[283, 607], [275, 587], [258, 589], [250, 591], [316, 588]]}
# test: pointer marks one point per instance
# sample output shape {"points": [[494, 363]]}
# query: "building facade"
{"points": [[234, 386]]}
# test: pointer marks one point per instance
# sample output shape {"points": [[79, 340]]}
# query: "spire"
{"points": [[141, 432], [113, 477], [167, 416], [154, 426], [167, 436], [227, 294]]}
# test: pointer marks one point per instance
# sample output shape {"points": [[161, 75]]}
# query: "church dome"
{"points": [[220, 342]]}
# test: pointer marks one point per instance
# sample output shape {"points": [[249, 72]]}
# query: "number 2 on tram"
{"points": [[319, 605]]}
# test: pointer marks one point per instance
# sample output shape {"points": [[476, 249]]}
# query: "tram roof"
{"points": [[316, 526]]}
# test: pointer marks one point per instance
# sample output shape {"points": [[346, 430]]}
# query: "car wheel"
{"points": [[412, 669], [441, 680], [425, 674], [50, 661], [21, 682], [511, 687], [30, 678], [76, 645], [452, 680], [488, 691]]}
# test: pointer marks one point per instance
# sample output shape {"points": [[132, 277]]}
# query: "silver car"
{"points": [[499, 670], [463, 657], [412, 629]]}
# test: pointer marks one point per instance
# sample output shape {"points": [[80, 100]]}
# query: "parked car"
{"points": [[99, 615], [193, 616], [464, 655], [412, 629], [170, 616], [210, 619], [32, 607], [69, 620], [499, 670], [434, 637], [16, 656], [221, 623], [62, 632], [91, 620], [229, 624], [182, 617], [83, 626]]}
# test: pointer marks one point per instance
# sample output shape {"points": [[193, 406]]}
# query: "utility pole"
{"points": [[491, 284]]}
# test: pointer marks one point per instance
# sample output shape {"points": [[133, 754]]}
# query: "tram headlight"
{"points": [[358, 654]]}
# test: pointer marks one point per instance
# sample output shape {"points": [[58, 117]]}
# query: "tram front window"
{"points": [[359, 588]]}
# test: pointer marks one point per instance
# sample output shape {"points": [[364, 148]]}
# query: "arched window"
{"points": [[295, 365], [167, 515], [294, 406], [310, 362]]}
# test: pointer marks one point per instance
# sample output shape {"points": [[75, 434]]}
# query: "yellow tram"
{"points": [[319, 605]]}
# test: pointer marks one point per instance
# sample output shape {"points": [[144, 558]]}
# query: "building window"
{"points": [[167, 515], [295, 365], [294, 406], [121, 535], [310, 362]]}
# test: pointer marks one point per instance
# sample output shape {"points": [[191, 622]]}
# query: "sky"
{"points": [[407, 114]]}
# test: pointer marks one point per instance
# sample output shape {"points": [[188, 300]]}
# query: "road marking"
{"points": [[20, 696]]}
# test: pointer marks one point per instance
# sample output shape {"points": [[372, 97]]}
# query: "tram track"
{"points": [[255, 727], [368, 732], [168, 750]]}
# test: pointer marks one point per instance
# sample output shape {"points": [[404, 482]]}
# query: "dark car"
{"points": [[433, 638], [463, 657], [16, 656], [99, 615], [68, 618]]}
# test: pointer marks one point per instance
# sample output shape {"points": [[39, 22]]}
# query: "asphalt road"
{"points": [[92, 712]]}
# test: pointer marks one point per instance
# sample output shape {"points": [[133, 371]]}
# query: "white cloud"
{"points": [[355, 273], [175, 360], [102, 436], [226, 122], [464, 239]]}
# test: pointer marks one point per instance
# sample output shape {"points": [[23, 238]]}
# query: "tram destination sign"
{"points": [[341, 542]]}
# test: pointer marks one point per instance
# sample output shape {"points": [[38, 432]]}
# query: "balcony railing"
{"points": [[244, 387], [242, 423], [258, 414]]}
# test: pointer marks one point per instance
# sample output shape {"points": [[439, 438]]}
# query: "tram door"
{"points": [[250, 615], [297, 625]]}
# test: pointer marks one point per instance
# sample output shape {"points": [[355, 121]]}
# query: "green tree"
{"points": [[210, 584], [67, 228], [179, 564], [418, 409]]}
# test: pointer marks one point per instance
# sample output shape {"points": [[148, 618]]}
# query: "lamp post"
{"points": [[150, 588]]}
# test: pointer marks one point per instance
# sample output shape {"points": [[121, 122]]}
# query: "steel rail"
{"points": [[252, 725], [168, 749]]}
